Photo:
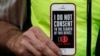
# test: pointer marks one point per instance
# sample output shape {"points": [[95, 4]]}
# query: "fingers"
{"points": [[48, 52], [39, 34], [31, 48], [43, 38], [37, 43], [40, 46], [34, 43], [54, 48]]}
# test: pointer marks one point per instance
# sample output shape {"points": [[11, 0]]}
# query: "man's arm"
{"points": [[33, 42], [12, 13], [7, 31]]}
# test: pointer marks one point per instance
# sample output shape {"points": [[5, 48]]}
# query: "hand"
{"points": [[33, 42]]}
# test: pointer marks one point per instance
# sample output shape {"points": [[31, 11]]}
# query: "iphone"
{"points": [[63, 27]]}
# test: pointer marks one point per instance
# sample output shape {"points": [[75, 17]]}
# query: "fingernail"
{"points": [[60, 53]]}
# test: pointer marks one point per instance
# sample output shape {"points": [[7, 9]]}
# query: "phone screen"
{"points": [[63, 28]]}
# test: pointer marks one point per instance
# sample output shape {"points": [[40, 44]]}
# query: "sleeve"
{"points": [[11, 15]]}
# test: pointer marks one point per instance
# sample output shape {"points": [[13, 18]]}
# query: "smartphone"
{"points": [[63, 27]]}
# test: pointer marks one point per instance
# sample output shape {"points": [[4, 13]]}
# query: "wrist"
{"points": [[14, 36]]}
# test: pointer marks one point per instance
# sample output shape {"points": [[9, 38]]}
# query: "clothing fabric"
{"points": [[12, 16], [13, 11], [40, 17]]}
